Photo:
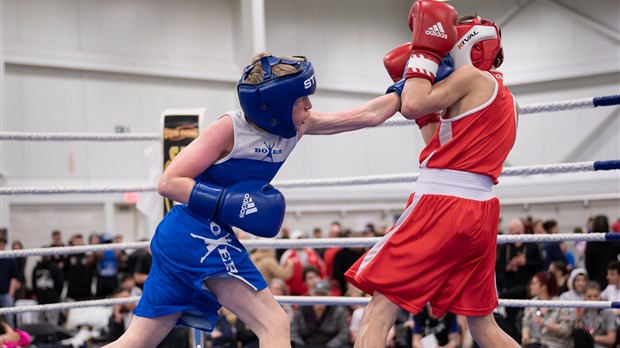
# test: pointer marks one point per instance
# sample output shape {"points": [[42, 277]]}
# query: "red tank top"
{"points": [[477, 141]]}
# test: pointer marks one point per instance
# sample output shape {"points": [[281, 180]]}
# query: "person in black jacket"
{"points": [[599, 254], [47, 284], [515, 266]]}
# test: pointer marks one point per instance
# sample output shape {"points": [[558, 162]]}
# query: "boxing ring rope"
{"points": [[297, 243], [359, 242], [307, 301], [573, 104], [560, 168]]}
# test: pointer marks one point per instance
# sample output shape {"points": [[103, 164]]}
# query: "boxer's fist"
{"points": [[433, 34], [253, 206], [396, 60]]}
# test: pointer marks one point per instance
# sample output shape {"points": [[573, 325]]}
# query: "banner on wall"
{"points": [[180, 127]]}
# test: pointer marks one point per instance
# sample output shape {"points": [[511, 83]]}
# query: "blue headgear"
{"points": [[269, 104]]}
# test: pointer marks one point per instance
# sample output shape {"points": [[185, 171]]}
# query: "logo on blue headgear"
{"points": [[269, 104]]}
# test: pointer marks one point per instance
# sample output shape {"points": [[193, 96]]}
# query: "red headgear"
{"points": [[479, 44]]}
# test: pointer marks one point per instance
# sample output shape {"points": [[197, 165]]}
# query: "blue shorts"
{"points": [[187, 250]]}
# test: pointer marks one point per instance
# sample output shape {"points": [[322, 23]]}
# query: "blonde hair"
{"points": [[256, 74]]}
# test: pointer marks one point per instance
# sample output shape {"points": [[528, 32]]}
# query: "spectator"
{"points": [[560, 272], [106, 268], [335, 231], [8, 282], [357, 312], [344, 259], [121, 255], [265, 260], [284, 234], [320, 325], [576, 285], [57, 242], [121, 315], [600, 323], [12, 338], [20, 292], [278, 288], [301, 257], [401, 334], [554, 251], [222, 335], [78, 273], [612, 291], [515, 266], [444, 331], [311, 275], [47, 284], [129, 283], [550, 327], [599, 254], [57, 239], [139, 265]]}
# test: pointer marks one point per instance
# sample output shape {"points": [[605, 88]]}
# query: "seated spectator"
{"points": [[222, 335], [278, 288], [612, 291], [301, 257], [560, 271], [576, 285], [12, 338], [320, 325], [121, 315], [400, 335], [444, 331], [8, 281], [139, 265], [550, 327], [356, 312], [600, 323], [269, 267]]}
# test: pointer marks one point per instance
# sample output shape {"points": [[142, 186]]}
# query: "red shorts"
{"points": [[441, 251]]}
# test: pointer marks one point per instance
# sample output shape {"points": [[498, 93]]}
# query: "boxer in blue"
{"points": [[222, 180]]}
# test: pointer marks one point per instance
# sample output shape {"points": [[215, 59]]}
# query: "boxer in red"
{"points": [[442, 249]]}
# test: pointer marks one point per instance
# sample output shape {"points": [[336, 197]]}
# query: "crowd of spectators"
{"points": [[574, 271]]}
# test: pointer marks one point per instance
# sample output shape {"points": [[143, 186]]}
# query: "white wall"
{"points": [[87, 67]]}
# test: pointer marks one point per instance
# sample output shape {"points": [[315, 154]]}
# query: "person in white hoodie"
{"points": [[576, 285]]}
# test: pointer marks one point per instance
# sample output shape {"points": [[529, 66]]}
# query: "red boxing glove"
{"points": [[396, 60], [433, 35], [426, 119]]}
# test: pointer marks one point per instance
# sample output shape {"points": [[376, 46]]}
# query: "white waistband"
{"points": [[456, 183]]}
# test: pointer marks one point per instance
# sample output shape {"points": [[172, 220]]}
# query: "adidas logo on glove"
{"points": [[248, 207], [436, 30]]}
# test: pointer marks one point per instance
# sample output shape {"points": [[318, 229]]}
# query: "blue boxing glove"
{"points": [[253, 206], [445, 69]]}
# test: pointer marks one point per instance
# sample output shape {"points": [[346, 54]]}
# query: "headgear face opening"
{"points": [[479, 44], [269, 104]]}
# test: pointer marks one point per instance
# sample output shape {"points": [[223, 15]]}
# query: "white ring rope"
{"points": [[523, 110], [306, 301], [78, 136], [307, 243], [346, 181]]}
